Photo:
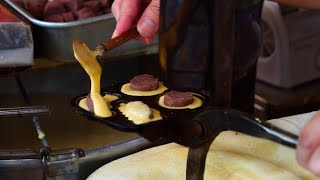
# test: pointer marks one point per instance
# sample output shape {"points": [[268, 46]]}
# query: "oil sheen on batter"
{"points": [[197, 102], [139, 113], [127, 90]]}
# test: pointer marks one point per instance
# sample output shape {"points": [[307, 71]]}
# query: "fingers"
{"points": [[145, 40], [148, 24], [314, 162], [308, 149], [125, 12], [115, 9]]}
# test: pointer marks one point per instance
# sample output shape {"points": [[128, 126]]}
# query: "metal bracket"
{"points": [[61, 162]]}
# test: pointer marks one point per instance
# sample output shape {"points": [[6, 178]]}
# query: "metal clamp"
{"points": [[62, 162]]}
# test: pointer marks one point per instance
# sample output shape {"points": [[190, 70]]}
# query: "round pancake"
{"points": [[127, 90], [231, 156]]}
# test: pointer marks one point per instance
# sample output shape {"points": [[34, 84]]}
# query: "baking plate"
{"points": [[172, 119]]}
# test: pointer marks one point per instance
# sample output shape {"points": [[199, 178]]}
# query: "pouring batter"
{"points": [[87, 59]]}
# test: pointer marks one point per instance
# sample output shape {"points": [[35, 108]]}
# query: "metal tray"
{"points": [[54, 40]]}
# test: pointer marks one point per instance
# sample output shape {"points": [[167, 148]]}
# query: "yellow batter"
{"points": [[139, 113], [127, 90], [197, 102], [107, 98], [87, 59]]}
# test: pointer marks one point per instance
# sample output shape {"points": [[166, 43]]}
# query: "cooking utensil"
{"points": [[187, 127], [80, 49], [213, 121], [152, 131], [195, 129], [87, 59], [117, 41], [216, 120]]}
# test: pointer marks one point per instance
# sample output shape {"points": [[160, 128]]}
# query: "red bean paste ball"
{"points": [[65, 10], [144, 82], [177, 99], [90, 103], [36, 7]]}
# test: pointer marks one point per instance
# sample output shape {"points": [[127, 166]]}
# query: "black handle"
{"points": [[217, 120]]}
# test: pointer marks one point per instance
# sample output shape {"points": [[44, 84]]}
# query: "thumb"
{"points": [[148, 24], [127, 16], [309, 141]]}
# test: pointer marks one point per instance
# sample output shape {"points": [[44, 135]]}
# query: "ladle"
{"points": [[87, 59]]}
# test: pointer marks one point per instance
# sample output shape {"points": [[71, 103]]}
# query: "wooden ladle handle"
{"points": [[117, 41]]}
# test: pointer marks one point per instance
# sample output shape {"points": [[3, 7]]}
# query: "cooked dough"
{"points": [[139, 113], [197, 102], [231, 156], [127, 90]]}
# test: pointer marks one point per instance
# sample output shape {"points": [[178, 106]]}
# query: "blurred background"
{"points": [[288, 69]]}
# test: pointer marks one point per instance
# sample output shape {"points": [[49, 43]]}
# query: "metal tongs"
{"points": [[207, 125]]}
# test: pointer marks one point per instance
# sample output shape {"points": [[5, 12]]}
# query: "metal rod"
{"points": [[197, 161], [22, 89], [35, 119], [41, 134], [223, 33], [24, 111]]}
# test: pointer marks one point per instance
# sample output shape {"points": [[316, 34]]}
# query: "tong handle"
{"points": [[280, 135], [210, 123], [250, 125], [217, 120]]}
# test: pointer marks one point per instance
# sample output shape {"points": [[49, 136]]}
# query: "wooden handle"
{"points": [[117, 41]]}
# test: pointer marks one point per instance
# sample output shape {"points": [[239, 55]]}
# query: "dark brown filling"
{"points": [[90, 103], [144, 82], [151, 116], [177, 99]]}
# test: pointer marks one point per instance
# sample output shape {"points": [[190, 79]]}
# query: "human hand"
{"points": [[308, 149], [143, 14]]}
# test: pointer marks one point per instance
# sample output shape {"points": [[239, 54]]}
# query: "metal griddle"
{"points": [[195, 128], [153, 131]]}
